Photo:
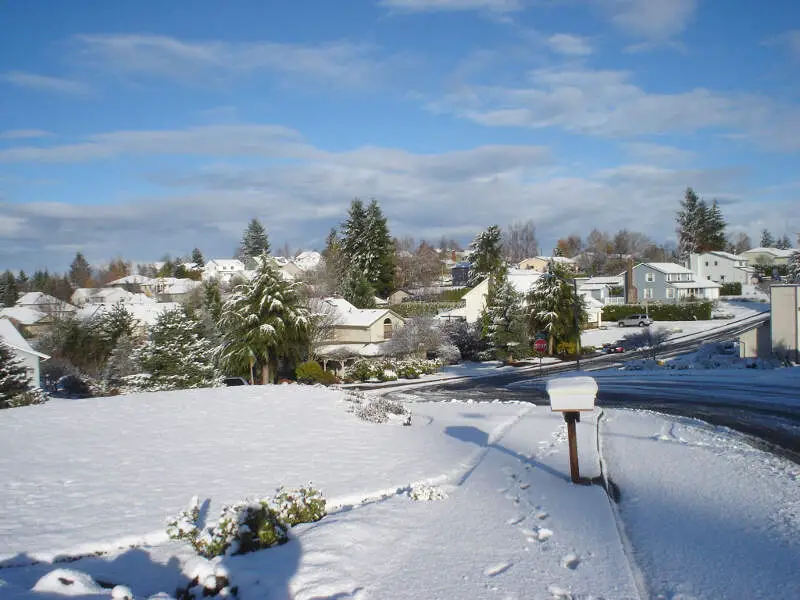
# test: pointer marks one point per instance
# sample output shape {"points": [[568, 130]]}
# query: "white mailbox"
{"points": [[572, 393]]}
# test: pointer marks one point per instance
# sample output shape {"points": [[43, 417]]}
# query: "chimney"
{"points": [[630, 290]]}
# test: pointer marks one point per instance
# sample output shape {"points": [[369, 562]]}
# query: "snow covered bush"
{"points": [[311, 372], [389, 369], [29, 398], [377, 410], [465, 337], [13, 377], [448, 353], [248, 526], [422, 492]]}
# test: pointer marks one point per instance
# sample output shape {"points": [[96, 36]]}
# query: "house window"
{"points": [[387, 329], [715, 263], [650, 277], [648, 293], [722, 278], [670, 292], [706, 263]]}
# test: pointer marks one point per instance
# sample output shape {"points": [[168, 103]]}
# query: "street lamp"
{"points": [[576, 310]]}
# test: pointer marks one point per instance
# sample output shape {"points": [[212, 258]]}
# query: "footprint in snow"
{"points": [[545, 534], [524, 486], [515, 520], [497, 569], [559, 592], [571, 561], [542, 515]]}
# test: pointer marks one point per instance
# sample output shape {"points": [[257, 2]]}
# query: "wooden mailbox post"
{"points": [[571, 396]]}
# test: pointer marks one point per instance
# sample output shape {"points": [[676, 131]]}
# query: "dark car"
{"points": [[615, 348], [71, 386], [234, 381]]}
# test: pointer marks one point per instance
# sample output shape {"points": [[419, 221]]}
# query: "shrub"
{"points": [[423, 309], [466, 338], [248, 526], [380, 410], [28, 398], [448, 354], [689, 311], [731, 289], [311, 372]]}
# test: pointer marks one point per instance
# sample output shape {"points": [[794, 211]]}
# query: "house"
{"points": [[223, 269], [605, 289], [722, 267], [30, 321], [29, 357], [540, 263], [131, 282], [593, 308], [104, 295], [460, 274], [475, 299], [671, 283], [47, 304], [145, 311], [768, 257], [785, 321], [356, 333], [398, 296], [380, 302], [171, 289]]}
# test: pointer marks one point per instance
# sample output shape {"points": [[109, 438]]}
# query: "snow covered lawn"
{"points": [[472, 501]]}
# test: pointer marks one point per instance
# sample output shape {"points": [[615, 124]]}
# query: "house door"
{"points": [[387, 329]]}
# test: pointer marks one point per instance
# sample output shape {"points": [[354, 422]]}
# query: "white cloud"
{"points": [[496, 6], [607, 103], [569, 44], [658, 154], [657, 20], [21, 134], [211, 62], [45, 83]]}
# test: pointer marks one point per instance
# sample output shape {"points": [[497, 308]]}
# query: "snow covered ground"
{"points": [[504, 521], [612, 332]]}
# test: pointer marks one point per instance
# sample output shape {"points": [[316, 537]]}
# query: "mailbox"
{"points": [[570, 394]]}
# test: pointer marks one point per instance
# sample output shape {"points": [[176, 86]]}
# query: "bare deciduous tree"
{"points": [[519, 241]]}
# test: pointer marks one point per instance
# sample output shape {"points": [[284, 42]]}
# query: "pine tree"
{"points": [[334, 263], [255, 241], [197, 258], [263, 321], [367, 247], [8, 289], [22, 282], [793, 272], [212, 299], [13, 376], [80, 273], [502, 322], [690, 218], [358, 291], [784, 243], [122, 362], [486, 255], [712, 230], [767, 241], [177, 355], [552, 304]]}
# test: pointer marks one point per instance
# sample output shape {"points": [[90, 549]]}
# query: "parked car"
{"points": [[634, 320], [71, 386], [234, 381], [613, 348]]}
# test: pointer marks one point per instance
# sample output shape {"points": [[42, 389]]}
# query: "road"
{"points": [[768, 423]]}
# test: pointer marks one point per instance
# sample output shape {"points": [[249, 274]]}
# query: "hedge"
{"points": [[690, 311], [423, 309], [731, 289]]}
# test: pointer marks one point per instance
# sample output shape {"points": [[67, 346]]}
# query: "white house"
{"points": [[767, 256], [600, 288], [522, 281], [223, 269], [105, 295], [29, 357], [47, 304], [722, 267]]}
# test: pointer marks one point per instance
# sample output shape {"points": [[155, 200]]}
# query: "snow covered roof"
{"points": [[558, 259], [776, 252], [699, 283], [522, 280], [456, 313], [350, 349], [350, 316], [23, 314], [604, 280], [227, 264], [34, 298], [727, 255], [308, 260], [13, 338], [667, 267], [381, 301], [145, 313], [131, 280], [591, 286], [591, 302]]}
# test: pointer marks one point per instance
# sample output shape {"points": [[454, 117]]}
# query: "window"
{"points": [[650, 277], [707, 263], [648, 293], [716, 263], [387, 329], [670, 292], [722, 278]]}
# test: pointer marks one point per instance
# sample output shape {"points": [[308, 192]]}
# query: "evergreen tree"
{"points": [[212, 299], [793, 272], [358, 291], [767, 241], [22, 282], [177, 355], [334, 263], [503, 321], [114, 323], [255, 241], [784, 243], [13, 376], [122, 362], [8, 289], [486, 256], [263, 321], [552, 304], [690, 218], [197, 258], [713, 230], [367, 247], [80, 273]]}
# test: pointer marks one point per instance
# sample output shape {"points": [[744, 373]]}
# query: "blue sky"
{"points": [[140, 128]]}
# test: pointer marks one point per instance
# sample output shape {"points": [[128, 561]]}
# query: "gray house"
{"points": [[670, 283]]}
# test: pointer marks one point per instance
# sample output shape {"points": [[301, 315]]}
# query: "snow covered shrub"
{"points": [[422, 492], [381, 410], [248, 526], [311, 372], [29, 398], [449, 354], [465, 337], [361, 371], [304, 505]]}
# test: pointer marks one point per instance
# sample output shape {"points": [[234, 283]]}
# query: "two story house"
{"points": [[772, 257], [671, 283], [722, 267], [223, 269]]}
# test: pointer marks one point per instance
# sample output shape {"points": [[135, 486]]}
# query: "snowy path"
{"points": [[708, 516]]}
